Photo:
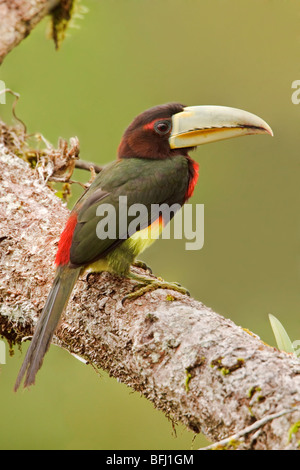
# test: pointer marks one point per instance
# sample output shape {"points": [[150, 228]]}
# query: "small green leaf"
{"points": [[282, 338], [59, 194], [293, 430]]}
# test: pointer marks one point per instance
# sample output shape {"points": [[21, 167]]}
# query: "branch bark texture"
{"points": [[196, 366], [18, 18]]}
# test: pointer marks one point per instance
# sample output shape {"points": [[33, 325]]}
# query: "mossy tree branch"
{"points": [[196, 366], [19, 17]]}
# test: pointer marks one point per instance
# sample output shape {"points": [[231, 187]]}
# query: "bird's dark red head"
{"points": [[148, 134]]}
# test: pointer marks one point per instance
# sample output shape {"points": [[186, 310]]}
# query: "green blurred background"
{"points": [[125, 57]]}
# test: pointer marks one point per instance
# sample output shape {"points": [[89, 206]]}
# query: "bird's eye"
{"points": [[162, 127]]}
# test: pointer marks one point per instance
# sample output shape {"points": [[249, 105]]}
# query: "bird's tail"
{"points": [[55, 304]]}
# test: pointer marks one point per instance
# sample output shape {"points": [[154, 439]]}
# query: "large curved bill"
{"points": [[197, 125]]}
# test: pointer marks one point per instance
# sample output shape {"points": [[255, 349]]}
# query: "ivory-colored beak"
{"points": [[197, 125]]}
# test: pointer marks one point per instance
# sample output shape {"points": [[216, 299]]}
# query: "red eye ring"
{"points": [[162, 127]]}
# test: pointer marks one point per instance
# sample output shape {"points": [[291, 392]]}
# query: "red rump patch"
{"points": [[194, 174], [65, 242]]}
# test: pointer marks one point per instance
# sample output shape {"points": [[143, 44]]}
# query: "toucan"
{"points": [[153, 166]]}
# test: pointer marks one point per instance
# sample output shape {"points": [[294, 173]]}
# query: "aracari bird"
{"points": [[153, 166]]}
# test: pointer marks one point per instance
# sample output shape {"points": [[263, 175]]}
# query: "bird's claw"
{"points": [[153, 284], [141, 264]]}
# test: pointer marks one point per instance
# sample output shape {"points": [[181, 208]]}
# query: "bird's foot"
{"points": [[140, 264], [146, 284]]}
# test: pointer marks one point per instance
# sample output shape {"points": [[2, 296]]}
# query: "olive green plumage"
{"points": [[142, 181]]}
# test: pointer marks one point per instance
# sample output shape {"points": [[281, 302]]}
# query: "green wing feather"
{"points": [[142, 181]]}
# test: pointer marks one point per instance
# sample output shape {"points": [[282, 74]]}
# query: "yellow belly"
{"points": [[144, 238], [118, 261]]}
